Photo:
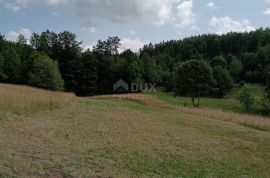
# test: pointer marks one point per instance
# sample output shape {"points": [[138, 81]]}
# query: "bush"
{"points": [[265, 105], [223, 80], [246, 99], [44, 73]]}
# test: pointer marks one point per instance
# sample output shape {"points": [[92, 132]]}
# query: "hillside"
{"points": [[125, 136]]}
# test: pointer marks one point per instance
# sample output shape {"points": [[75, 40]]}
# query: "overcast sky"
{"points": [[136, 22]]}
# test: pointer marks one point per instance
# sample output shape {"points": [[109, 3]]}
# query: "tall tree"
{"points": [[21, 40], [12, 65], [108, 47], [88, 76], [150, 70], [3, 76], [63, 47], [194, 79], [106, 54]]}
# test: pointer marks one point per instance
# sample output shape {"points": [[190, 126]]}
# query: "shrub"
{"points": [[44, 73], [223, 80], [246, 99]]}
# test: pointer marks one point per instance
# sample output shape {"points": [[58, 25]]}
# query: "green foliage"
{"points": [[218, 61], [253, 68], [65, 49], [265, 105], [229, 58], [135, 72], [12, 65], [150, 70], [108, 47], [235, 68], [3, 76], [44, 73], [88, 76], [22, 40], [253, 76], [268, 83], [194, 79], [246, 98], [223, 81], [245, 55]]}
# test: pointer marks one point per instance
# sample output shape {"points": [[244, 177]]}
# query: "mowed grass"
{"points": [[131, 136]]}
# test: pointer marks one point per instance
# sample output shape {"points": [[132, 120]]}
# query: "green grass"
{"points": [[229, 103], [221, 104], [119, 138], [257, 91]]}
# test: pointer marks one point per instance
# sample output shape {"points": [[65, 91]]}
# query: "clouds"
{"points": [[267, 11], [38, 2], [16, 5], [128, 11], [211, 5], [134, 44], [226, 24], [13, 35], [151, 19], [186, 17]]}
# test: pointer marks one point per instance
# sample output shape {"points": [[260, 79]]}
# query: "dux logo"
{"points": [[122, 87]]}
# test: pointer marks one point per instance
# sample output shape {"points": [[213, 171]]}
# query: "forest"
{"points": [[205, 65]]}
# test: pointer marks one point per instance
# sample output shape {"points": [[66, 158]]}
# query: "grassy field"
{"points": [[229, 103], [130, 136]]}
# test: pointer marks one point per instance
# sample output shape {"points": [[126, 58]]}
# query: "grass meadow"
{"points": [[228, 103], [127, 136]]}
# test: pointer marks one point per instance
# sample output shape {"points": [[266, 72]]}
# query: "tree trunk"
{"points": [[193, 102]]}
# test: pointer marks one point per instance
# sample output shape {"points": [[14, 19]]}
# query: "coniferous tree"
{"points": [[87, 76]]}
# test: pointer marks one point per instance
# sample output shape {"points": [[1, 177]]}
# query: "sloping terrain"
{"points": [[132, 136]]}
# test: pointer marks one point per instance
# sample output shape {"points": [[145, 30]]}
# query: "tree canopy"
{"points": [[244, 57], [194, 79]]}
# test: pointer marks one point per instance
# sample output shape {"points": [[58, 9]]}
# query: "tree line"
{"points": [[210, 63]]}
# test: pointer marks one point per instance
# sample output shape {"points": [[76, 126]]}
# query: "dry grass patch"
{"points": [[255, 122], [139, 98], [23, 99]]}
